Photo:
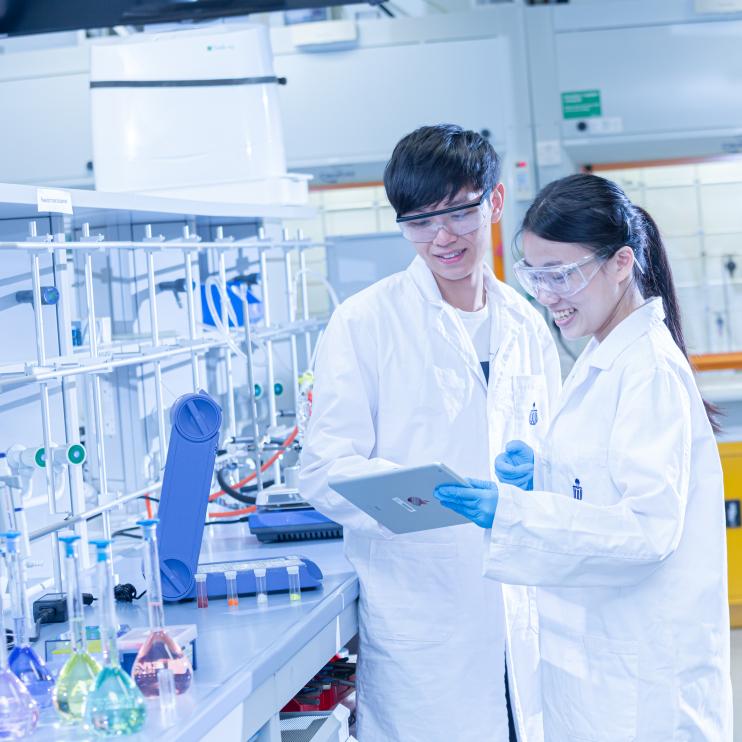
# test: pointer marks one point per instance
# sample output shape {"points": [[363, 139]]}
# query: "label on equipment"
{"points": [[53, 199], [581, 104]]}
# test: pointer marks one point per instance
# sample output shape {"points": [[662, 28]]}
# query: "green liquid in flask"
{"points": [[79, 672], [115, 706], [73, 685]]}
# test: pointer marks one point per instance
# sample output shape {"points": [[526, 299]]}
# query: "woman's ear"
{"points": [[624, 262]]}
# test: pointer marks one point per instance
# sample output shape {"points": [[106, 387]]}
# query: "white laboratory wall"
{"points": [[697, 209]]}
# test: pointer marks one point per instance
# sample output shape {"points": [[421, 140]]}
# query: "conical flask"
{"points": [[114, 705], [159, 651], [23, 659], [18, 710], [79, 672]]}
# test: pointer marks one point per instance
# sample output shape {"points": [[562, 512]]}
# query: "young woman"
{"points": [[619, 520]]}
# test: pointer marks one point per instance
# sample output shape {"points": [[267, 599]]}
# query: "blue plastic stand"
{"points": [[196, 420]]}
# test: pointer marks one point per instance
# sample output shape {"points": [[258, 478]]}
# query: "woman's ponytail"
{"points": [[655, 279]]}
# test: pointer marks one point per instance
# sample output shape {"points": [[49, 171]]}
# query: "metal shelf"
{"points": [[125, 355]]}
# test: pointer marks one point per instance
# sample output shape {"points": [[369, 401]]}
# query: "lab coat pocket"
{"points": [[582, 476], [530, 408], [590, 688], [411, 591]]}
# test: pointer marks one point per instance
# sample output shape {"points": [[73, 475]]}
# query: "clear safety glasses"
{"points": [[561, 280], [456, 220]]}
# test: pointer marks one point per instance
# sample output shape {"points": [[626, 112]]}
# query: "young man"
{"points": [[441, 362]]}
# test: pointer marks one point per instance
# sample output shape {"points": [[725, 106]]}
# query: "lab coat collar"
{"points": [[638, 323]]}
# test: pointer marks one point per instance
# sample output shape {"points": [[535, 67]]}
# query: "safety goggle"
{"points": [[456, 220], [560, 280]]}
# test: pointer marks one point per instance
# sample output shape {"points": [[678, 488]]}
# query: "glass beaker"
{"points": [[18, 710], [23, 660], [79, 672], [159, 651], [114, 706]]}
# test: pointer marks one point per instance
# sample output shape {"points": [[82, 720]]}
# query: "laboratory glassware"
{"points": [[23, 660], [202, 594], [115, 706], [18, 710], [79, 672], [159, 651], [166, 684], [261, 590], [294, 585], [231, 577]]}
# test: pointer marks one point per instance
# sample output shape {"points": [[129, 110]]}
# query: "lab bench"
{"points": [[251, 661]]}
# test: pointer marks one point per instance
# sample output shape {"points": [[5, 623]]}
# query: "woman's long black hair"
{"points": [[595, 213]]}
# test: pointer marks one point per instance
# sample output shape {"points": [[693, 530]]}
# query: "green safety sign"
{"points": [[581, 104]]}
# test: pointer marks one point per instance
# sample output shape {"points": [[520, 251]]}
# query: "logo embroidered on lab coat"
{"points": [[577, 490], [533, 415]]}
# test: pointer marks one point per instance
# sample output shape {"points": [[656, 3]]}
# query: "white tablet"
{"points": [[403, 499]]}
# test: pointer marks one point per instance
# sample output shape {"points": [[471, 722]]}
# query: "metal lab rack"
{"points": [[46, 370]]}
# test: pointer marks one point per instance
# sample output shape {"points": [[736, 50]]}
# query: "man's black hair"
{"points": [[434, 163]]}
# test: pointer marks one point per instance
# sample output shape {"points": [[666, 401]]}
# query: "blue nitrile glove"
{"points": [[515, 465], [477, 501]]}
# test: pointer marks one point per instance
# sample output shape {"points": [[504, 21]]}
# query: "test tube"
{"points": [[166, 686], [232, 599], [202, 596], [261, 589], [294, 587]]}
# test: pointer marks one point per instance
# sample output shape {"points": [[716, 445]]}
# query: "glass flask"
{"points": [[114, 706], [79, 672], [18, 710], [23, 659], [159, 651]]}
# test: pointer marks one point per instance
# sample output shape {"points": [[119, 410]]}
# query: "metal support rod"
{"points": [[305, 303], [97, 401], [155, 332], [106, 520], [37, 244], [63, 269], [60, 368], [291, 304], [45, 410], [191, 305], [270, 374], [251, 395], [231, 412], [44, 390]]}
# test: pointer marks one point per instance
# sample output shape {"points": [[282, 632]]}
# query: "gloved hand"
{"points": [[515, 465], [477, 502]]}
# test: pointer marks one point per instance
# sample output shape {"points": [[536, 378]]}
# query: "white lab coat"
{"points": [[630, 559], [398, 382]]}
